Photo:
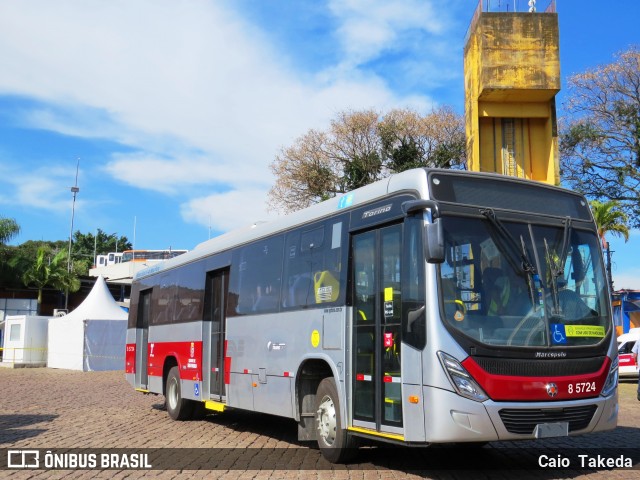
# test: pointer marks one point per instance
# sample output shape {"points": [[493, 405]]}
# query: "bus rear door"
{"points": [[142, 339], [215, 303]]}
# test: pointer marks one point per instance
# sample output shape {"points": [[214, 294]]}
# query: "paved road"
{"points": [[94, 413]]}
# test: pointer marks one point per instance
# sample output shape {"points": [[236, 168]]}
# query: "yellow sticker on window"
{"points": [[388, 294], [584, 331]]}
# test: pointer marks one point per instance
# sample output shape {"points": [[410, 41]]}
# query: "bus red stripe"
{"points": [[516, 388], [227, 365]]}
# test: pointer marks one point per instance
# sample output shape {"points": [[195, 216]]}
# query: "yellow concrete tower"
{"points": [[512, 74]]}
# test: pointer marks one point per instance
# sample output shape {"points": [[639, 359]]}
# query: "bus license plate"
{"points": [[548, 430]]}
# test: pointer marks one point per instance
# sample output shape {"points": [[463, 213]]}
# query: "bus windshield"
{"points": [[522, 284]]}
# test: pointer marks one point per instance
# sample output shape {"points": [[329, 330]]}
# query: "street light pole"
{"points": [[74, 191]]}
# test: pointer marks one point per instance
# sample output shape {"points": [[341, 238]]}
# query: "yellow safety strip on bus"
{"points": [[215, 406], [142, 390], [391, 436]]}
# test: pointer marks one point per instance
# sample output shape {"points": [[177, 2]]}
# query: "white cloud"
{"points": [[229, 210], [47, 188], [177, 174], [367, 28], [173, 78]]}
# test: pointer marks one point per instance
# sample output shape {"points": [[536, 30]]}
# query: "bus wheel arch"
{"points": [[316, 377], [169, 363], [309, 375]]}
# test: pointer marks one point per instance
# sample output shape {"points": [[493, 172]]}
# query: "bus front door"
{"points": [[142, 339], [376, 330], [215, 304]]}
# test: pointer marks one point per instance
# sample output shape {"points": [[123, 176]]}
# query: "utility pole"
{"points": [[74, 191], [609, 276]]}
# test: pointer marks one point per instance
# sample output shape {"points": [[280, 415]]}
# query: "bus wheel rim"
{"points": [[172, 394], [327, 420]]}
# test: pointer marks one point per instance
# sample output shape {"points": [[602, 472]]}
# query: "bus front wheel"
{"points": [[335, 443], [178, 408]]}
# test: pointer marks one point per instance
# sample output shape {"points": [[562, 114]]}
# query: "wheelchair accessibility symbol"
{"points": [[558, 334]]}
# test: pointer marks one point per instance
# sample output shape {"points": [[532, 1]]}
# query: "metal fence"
{"points": [[23, 356], [505, 6]]}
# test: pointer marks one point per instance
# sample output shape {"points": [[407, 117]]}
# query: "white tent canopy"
{"points": [[92, 337]]}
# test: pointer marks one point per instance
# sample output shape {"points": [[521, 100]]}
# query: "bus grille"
{"points": [[539, 368], [524, 421]]}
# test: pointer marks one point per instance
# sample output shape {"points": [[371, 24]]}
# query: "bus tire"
{"points": [[335, 443], [178, 408]]}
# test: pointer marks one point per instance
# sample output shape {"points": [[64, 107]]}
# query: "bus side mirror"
{"points": [[434, 233], [434, 242]]}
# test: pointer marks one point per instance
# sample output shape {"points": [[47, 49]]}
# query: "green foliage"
{"points": [[84, 246], [609, 219], [48, 270], [9, 228], [361, 170], [43, 264], [600, 143], [84, 243]]}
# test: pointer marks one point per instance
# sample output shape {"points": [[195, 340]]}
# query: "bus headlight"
{"points": [[462, 382], [611, 382]]}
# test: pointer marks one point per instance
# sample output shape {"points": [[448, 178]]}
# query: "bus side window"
{"points": [[414, 323], [256, 275], [312, 270], [163, 300]]}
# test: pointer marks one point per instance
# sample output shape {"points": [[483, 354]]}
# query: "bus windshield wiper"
{"points": [[556, 268], [533, 281], [515, 250], [564, 251]]}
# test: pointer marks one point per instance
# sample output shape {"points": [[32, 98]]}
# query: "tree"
{"points": [[411, 141], [50, 271], [609, 219], [361, 147], [85, 245], [9, 228], [600, 146]]}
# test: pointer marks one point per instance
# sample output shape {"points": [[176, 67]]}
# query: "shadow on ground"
{"points": [[18, 427]]}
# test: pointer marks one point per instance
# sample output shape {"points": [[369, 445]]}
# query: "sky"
{"points": [[174, 109]]}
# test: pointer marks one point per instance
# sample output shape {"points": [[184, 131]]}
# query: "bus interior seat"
{"points": [[490, 277], [264, 303], [300, 291], [573, 306]]}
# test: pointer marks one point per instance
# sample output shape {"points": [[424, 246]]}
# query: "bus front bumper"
{"points": [[458, 419]]}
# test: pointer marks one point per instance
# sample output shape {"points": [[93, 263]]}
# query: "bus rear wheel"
{"points": [[178, 408], [335, 443]]}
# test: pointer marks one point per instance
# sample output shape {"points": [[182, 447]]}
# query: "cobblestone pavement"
{"points": [[44, 408]]}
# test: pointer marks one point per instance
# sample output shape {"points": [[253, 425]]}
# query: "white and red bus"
{"points": [[434, 306]]}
